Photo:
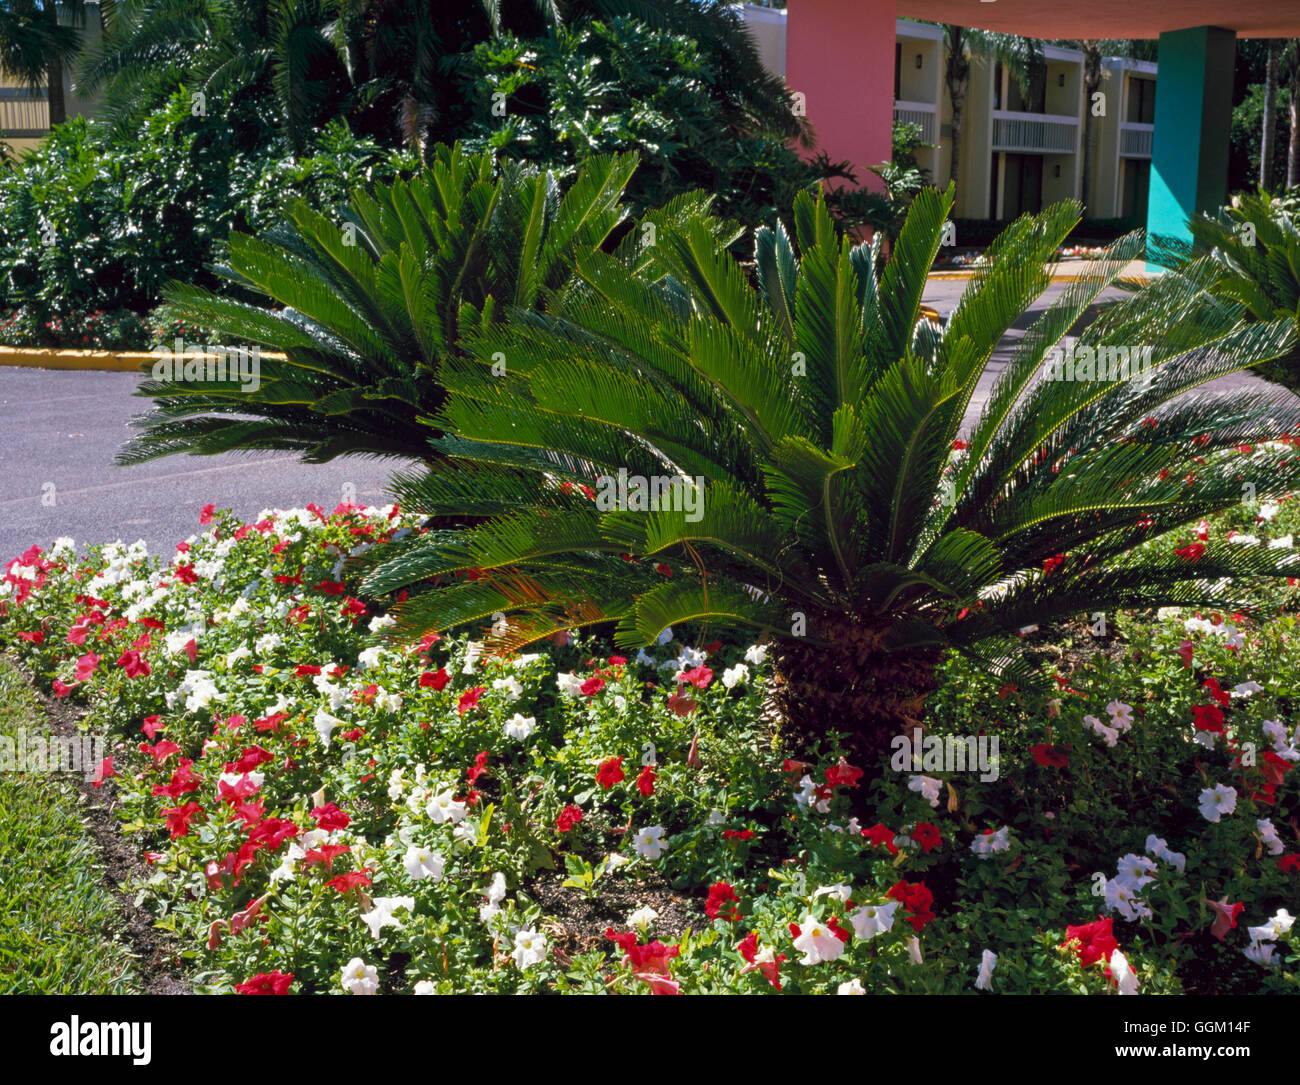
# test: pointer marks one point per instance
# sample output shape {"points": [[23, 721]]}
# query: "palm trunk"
{"points": [[58, 107], [1293, 147], [852, 685], [1268, 137], [958, 103]]}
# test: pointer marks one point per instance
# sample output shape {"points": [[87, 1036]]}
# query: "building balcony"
{"points": [[1135, 140], [919, 113], [1034, 133], [23, 114]]}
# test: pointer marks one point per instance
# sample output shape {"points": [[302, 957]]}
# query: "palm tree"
{"points": [[34, 45], [368, 311], [239, 49], [1022, 57], [812, 419], [1268, 136], [1091, 49]]}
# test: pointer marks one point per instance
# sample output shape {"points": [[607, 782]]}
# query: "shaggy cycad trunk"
{"points": [[852, 685]]}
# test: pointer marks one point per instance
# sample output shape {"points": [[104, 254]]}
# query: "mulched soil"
{"points": [[577, 923], [157, 954]]}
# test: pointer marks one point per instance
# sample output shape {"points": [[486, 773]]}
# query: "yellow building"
{"points": [[25, 112]]}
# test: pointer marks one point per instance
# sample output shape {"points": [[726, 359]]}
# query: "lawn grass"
{"points": [[57, 915]]}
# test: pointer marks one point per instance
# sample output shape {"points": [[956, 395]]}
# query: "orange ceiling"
{"points": [[1111, 18]]}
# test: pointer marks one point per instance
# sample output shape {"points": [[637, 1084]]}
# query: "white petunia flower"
{"points": [[986, 844], [530, 948], [649, 842], [512, 687], [360, 978], [873, 919], [1216, 801], [988, 962], [928, 786], [851, 987], [381, 915], [642, 919], [755, 654], [817, 942], [443, 808], [1123, 974], [520, 727], [734, 676], [1268, 836], [325, 725], [422, 862]]}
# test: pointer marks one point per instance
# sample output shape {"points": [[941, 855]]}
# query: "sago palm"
{"points": [[1254, 245], [837, 512], [366, 310]]}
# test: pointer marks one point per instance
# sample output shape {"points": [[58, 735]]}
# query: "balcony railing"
{"points": [[919, 113], [1135, 140], [1034, 133], [23, 115]]}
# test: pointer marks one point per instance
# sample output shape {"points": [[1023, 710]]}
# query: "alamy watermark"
{"points": [[1108, 363], [946, 753], [656, 493], [199, 362], [21, 752]]}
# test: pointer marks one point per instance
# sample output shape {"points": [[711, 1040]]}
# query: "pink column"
{"points": [[840, 55]]}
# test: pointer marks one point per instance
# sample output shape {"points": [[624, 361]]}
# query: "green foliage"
{"points": [[368, 311], [90, 223], [622, 85], [1253, 245]]}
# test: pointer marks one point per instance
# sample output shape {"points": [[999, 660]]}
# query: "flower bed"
{"points": [[325, 808]]}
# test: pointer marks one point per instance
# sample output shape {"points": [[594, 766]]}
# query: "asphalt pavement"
{"points": [[59, 433]]}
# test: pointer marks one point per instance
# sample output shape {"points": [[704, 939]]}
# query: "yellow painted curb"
{"points": [[1060, 273], [114, 361]]}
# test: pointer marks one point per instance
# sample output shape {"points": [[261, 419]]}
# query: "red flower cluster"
{"points": [[1093, 942], [915, 898], [569, 817], [722, 902], [610, 772]]}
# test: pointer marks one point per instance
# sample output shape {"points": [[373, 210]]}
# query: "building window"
{"points": [[898, 65]]}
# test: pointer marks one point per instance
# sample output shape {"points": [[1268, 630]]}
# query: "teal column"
{"points": [[1189, 156]]}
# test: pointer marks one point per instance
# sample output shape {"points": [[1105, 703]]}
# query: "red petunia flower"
{"points": [[722, 902], [1096, 941], [1191, 552], [592, 686], [435, 680], [610, 772], [469, 699], [353, 879], [1050, 756], [179, 818], [882, 836], [645, 782], [569, 817], [1208, 717], [927, 836], [266, 983], [329, 817]]}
